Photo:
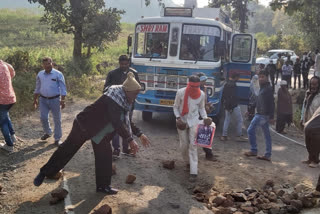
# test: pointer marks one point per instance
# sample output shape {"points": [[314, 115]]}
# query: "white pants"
{"points": [[188, 148]]}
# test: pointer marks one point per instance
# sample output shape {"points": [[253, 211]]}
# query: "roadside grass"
{"points": [[24, 41]]}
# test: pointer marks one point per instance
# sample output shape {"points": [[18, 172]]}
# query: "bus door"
{"points": [[242, 57]]}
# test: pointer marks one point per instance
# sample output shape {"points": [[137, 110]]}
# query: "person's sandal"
{"points": [[263, 158], [313, 165]]}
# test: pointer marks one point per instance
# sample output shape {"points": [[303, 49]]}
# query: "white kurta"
{"points": [[187, 137]]}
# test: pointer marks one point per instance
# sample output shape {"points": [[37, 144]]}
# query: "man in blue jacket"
{"points": [[264, 116]]}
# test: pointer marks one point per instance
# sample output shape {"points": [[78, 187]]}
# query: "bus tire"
{"points": [[146, 116]]}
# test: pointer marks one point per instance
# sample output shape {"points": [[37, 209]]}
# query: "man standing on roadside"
{"points": [[188, 104], [272, 69], [312, 138], [7, 100], [287, 73], [279, 65], [264, 116], [297, 74], [310, 105], [284, 107], [232, 108], [51, 88], [305, 66], [117, 77], [317, 64]]}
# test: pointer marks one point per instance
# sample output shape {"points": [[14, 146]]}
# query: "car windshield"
{"points": [[199, 43], [152, 41], [272, 55]]}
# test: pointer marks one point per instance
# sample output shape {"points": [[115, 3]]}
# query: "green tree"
{"points": [[88, 20], [239, 10], [307, 14]]}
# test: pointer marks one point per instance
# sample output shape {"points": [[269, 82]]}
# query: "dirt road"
{"points": [[156, 190]]}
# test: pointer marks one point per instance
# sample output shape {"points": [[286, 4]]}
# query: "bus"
{"points": [[167, 49]]}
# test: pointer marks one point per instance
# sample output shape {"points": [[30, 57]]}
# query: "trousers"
{"points": [[74, 141], [188, 148], [53, 105]]}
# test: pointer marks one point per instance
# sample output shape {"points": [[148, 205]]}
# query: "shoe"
{"points": [[108, 190], [250, 154], [241, 139], [211, 158], [313, 165], [306, 161], [264, 158], [45, 136], [223, 138], [283, 132], [128, 153], [116, 153], [58, 142], [14, 138], [6, 147], [39, 179], [193, 178]]}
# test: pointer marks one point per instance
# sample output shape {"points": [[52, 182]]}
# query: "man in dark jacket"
{"points": [[117, 77], [272, 69], [297, 73], [264, 116], [99, 122], [231, 106]]}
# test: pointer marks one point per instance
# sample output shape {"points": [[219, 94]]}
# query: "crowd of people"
{"points": [[110, 117]]}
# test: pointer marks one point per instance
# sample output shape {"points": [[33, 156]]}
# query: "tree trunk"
{"points": [[77, 21], [89, 52], [77, 44]]}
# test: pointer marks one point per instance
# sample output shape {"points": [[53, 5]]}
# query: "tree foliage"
{"points": [[239, 10], [307, 14], [91, 23]]}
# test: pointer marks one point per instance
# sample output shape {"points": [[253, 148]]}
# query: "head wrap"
{"points": [[203, 78], [192, 90], [131, 84]]}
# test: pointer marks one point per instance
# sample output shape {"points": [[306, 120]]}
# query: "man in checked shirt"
{"points": [[51, 88]]}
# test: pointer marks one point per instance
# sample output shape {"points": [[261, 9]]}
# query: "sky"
{"points": [[202, 3]]}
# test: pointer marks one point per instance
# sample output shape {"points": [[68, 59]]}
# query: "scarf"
{"points": [[192, 90], [117, 94]]}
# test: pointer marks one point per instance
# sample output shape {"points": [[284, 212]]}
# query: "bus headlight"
{"points": [[210, 92]]}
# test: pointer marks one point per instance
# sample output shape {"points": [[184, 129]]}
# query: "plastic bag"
{"points": [[205, 134]]}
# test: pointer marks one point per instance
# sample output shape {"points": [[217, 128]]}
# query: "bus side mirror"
{"points": [[221, 48]]}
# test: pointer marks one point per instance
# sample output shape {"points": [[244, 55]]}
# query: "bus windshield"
{"points": [[151, 40], [199, 43]]}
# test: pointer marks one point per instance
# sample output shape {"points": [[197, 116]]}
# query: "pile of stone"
{"points": [[269, 200], [1, 191]]}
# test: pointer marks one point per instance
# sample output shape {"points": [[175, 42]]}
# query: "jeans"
{"points": [[5, 124], [238, 117], [45, 106], [263, 121]]}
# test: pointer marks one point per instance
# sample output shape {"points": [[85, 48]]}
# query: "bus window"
{"points": [[151, 41], [241, 48], [174, 42], [199, 43]]}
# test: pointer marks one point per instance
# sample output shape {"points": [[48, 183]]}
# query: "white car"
{"points": [[273, 55]]}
